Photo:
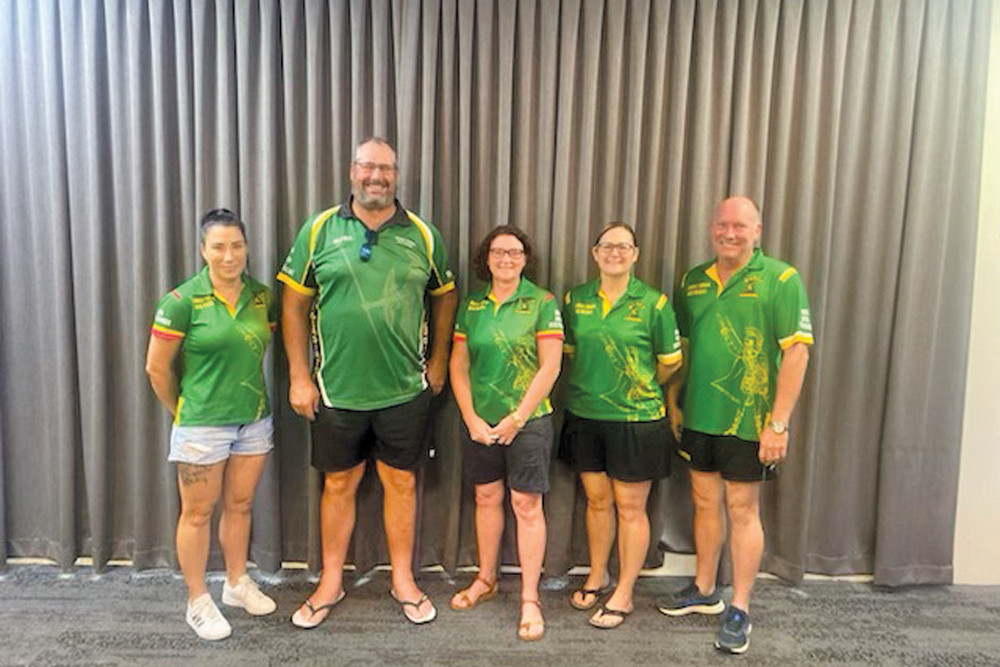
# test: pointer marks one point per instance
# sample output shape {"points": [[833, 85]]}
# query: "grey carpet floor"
{"points": [[128, 618]]}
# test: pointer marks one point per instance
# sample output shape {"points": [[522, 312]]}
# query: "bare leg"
{"points": [[531, 536], [707, 494], [600, 529], [336, 515], [241, 477], [200, 488], [489, 531], [400, 517], [633, 539], [746, 538]]}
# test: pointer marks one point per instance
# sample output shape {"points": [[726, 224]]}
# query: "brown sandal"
{"points": [[525, 627], [465, 602]]}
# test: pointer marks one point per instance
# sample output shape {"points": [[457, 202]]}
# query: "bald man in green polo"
{"points": [[745, 329]]}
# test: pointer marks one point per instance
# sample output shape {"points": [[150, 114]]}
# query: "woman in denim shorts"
{"points": [[219, 322]]}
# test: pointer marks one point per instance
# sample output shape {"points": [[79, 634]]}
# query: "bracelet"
{"points": [[517, 420]]}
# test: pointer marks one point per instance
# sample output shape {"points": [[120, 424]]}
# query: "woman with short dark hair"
{"points": [[506, 356]]}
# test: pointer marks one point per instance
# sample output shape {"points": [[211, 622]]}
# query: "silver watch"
{"points": [[778, 427]]}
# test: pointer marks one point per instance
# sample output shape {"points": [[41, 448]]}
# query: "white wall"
{"points": [[977, 526]]}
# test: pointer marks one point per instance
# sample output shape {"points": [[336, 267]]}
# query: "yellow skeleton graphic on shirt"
{"points": [[749, 373], [631, 383]]}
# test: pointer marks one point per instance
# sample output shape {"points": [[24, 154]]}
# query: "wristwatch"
{"points": [[778, 426]]}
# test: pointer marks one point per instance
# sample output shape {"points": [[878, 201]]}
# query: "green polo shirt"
{"points": [[502, 340], [222, 350], [615, 350], [735, 336], [370, 317]]}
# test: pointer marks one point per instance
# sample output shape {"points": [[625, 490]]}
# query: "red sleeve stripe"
{"points": [[166, 334]]}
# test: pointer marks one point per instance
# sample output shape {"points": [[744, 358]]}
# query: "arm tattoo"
{"points": [[191, 473]]}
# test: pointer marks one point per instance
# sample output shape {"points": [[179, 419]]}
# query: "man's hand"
{"points": [[437, 373], [773, 446], [676, 421], [304, 397]]}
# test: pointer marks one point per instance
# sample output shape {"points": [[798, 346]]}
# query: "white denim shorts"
{"points": [[205, 445]]}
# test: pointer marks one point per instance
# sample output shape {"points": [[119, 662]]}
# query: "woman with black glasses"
{"points": [[621, 336], [505, 358]]}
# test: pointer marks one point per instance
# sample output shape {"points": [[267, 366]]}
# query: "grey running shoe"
{"points": [[691, 601], [734, 631]]}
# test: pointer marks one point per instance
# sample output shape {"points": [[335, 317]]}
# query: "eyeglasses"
{"points": [[500, 253], [372, 167], [622, 248], [371, 239]]}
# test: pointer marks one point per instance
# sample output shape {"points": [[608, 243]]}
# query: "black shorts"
{"points": [[397, 436], [524, 463], [734, 458], [626, 451]]}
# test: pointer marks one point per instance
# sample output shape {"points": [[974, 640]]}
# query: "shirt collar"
{"points": [[520, 291], [633, 291], [398, 218]]}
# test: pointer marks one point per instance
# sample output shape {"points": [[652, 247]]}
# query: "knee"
{"points": [[742, 512], [629, 512], [339, 485], [489, 495], [239, 504], [197, 515], [599, 501], [527, 506], [399, 482], [706, 503]]}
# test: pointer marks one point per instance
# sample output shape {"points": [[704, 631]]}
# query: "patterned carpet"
{"points": [[128, 618]]}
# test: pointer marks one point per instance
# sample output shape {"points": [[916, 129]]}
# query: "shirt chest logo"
{"points": [[584, 308], [522, 307], [634, 310], [201, 302], [750, 283]]}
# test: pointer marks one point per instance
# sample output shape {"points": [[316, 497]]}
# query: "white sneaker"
{"points": [[246, 594], [206, 619]]}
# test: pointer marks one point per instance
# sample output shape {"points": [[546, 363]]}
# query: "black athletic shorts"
{"points": [[626, 451], [734, 458], [398, 436], [524, 463]]}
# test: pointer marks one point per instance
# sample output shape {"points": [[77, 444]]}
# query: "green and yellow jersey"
{"points": [[222, 350], [615, 350], [370, 319], [502, 341], [735, 335]]}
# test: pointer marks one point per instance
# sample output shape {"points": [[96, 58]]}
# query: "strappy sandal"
{"points": [[607, 612], [597, 594], [465, 601], [411, 616], [299, 620], [525, 627]]}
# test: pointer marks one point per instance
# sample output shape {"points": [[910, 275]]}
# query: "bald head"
{"points": [[735, 230]]}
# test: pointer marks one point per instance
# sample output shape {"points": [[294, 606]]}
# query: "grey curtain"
{"points": [[856, 124]]}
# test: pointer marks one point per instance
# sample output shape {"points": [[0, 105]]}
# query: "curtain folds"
{"points": [[856, 124]]}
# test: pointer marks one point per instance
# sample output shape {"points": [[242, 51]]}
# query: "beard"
{"points": [[375, 202]]}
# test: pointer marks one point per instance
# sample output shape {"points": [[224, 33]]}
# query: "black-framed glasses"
{"points": [[621, 248], [513, 253], [371, 239]]}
